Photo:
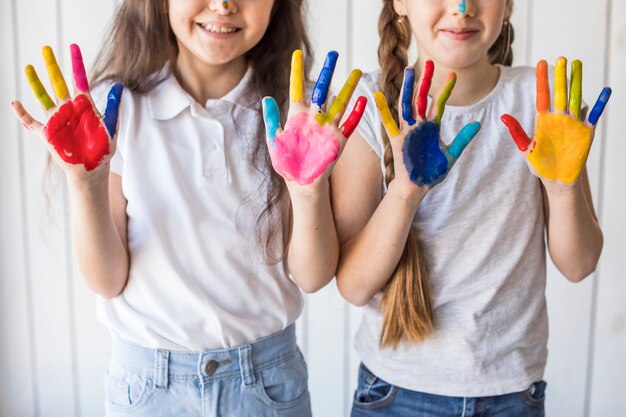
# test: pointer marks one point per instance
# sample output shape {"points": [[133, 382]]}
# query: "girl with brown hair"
{"points": [[446, 251], [166, 202]]}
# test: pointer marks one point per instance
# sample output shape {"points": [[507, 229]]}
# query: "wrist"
{"points": [[93, 181], [562, 189], [318, 189], [411, 198]]}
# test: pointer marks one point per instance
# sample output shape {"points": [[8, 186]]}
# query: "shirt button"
{"points": [[211, 366]]}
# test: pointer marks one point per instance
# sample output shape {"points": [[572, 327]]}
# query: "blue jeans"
{"points": [[375, 397], [265, 378]]}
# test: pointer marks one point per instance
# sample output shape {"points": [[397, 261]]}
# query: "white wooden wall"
{"points": [[53, 351]]}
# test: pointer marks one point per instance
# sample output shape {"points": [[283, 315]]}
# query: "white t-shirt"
{"points": [[482, 229], [198, 280]]}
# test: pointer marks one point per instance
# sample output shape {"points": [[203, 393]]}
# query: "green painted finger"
{"points": [[445, 95], [575, 89], [38, 89]]}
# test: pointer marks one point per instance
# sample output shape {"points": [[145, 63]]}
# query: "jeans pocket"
{"points": [[535, 395], [124, 389], [285, 385], [373, 392]]}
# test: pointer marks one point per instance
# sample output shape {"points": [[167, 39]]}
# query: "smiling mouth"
{"points": [[460, 34], [217, 28]]}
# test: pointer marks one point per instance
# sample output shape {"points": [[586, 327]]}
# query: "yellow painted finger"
{"points": [[38, 89], [341, 102], [560, 85], [54, 72], [385, 114], [576, 87], [296, 86]]}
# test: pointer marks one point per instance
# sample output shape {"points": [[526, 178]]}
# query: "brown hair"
{"points": [[141, 43], [408, 313]]}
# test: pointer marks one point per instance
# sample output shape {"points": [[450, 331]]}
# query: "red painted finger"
{"points": [[355, 117], [422, 97], [517, 132]]}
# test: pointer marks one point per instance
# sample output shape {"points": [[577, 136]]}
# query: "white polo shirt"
{"points": [[198, 279]]}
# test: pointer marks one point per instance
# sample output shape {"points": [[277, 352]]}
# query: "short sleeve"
{"points": [[370, 125]]}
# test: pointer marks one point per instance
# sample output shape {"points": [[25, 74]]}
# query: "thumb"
{"points": [[517, 132]]}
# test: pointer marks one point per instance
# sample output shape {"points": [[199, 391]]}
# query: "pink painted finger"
{"points": [[426, 82], [25, 118], [355, 117], [517, 132], [78, 67]]}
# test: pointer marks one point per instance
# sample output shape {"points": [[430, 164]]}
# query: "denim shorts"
{"points": [[265, 378], [375, 397]]}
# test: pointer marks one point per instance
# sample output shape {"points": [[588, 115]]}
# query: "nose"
{"points": [[223, 7], [463, 7]]}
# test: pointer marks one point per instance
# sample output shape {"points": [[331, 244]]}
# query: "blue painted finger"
{"points": [[463, 139], [407, 95], [271, 117], [112, 110], [598, 108], [320, 92]]}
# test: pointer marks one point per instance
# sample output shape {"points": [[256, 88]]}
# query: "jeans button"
{"points": [[211, 366]]}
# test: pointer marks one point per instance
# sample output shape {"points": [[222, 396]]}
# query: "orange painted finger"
{"points": [[543, 88]]}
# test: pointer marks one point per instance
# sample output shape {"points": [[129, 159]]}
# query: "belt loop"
{"points": [[161, 368], [245, 365]]}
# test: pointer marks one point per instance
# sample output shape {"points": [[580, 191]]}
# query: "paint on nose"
{"points": [[225, 4], [462, 6]]}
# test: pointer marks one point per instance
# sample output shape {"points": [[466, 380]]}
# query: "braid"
{"points": [[501, 51], [407, 309], [393, 57]]}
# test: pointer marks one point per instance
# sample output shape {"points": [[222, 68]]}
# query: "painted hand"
{"points": [[76, 135], [560, 146], [426, 158], [312, 141]]}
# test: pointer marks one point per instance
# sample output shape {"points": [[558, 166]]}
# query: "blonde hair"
{"points": [[408, 313]]}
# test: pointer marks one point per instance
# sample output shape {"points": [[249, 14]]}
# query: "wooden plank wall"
{"points": [[53, 352]]}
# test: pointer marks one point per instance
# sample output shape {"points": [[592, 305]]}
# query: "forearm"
{"points": [[313, 247], [574, 236], [101, 254], [369, 259]]}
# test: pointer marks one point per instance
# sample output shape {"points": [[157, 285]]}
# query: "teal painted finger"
{"points": [[271, 116], [463, 139]]}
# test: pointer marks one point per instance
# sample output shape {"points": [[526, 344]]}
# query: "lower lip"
{"points": [[460, 36], [219, 35]]}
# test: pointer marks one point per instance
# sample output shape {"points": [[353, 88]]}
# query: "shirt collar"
{"points": [[168, 99]]}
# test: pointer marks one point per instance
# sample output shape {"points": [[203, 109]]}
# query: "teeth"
{"points": [[218, 29]]}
